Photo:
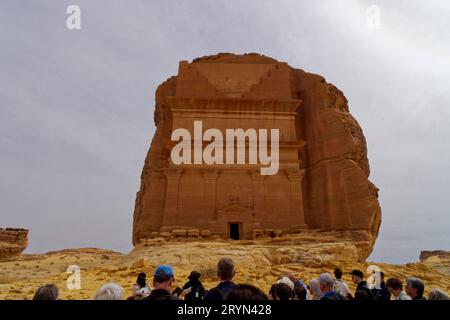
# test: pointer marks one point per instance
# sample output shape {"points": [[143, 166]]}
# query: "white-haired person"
{"points": [[110, 291], [314, 289], [415, 288], [326, 283], [437, 294]]}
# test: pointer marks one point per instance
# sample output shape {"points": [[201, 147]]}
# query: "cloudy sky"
{"points": [[77, 105]]}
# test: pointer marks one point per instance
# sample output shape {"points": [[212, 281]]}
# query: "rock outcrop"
{"points": [[12, 242], [322, 183], [438, 259], [309, 248]]}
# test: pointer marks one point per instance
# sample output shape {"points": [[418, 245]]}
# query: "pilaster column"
{"points": [[258, 193], [297, 212], [210, 183], [171, 204]]}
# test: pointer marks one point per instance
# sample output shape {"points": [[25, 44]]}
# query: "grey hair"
{"points": [[109, 291], [417, 284], [326, 279], [438, 294], [47, 292], [225, 268]]}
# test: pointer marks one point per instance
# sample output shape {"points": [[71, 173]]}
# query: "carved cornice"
{"points": [[233, 105]]}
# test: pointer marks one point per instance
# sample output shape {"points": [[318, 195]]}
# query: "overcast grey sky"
{"points": [[77, 106]]}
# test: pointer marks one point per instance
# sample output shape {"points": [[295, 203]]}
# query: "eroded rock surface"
{"points": [[13, 242], [260, 264], [438, 259], [323, 180]]}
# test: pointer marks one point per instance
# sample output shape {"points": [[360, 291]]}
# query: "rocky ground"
{"points": [[260, 263]]}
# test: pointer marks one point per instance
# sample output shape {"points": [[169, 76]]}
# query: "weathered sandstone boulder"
{"points": [[438, 259], [322, 183], [12, 242]]}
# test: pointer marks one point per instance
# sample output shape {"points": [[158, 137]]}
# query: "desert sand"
{"points": [[257, 262]]}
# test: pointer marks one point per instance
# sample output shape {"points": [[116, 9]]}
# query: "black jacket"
{"points": [[160, 294], [197, 292], [381, 294], [220, 292], [362, 286], [332, 295]]}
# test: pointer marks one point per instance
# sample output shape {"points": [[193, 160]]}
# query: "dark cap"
{"points": [[194, 275], [357, 273]]}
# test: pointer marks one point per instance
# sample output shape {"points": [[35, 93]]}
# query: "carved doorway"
{"points": [[234, 231]]}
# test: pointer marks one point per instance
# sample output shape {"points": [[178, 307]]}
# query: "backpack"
{"points": [[220, 293], [333, 297]]}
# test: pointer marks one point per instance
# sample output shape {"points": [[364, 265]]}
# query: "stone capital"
{"points": [[173, 173], [295, 175], [210, 174]]}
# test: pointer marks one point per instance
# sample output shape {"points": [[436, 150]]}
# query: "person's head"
{"points": [[109, 291], [325, 282], [287, 281], [357, 276], [47, 292], [194, 276], [225, 269], [280, 291], [163, 277], [141, 279], [394, 286], [300, 292], [246, 292], [437, 294], [414, 287], [314, 288], [337, 273]]}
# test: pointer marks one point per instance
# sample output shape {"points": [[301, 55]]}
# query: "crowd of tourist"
{"points": [[288, 287]]}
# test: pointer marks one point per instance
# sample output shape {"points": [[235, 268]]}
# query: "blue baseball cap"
{"points": [[164, 270]]}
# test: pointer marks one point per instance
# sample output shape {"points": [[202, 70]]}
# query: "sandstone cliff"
{"points": [[336, 192]]}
